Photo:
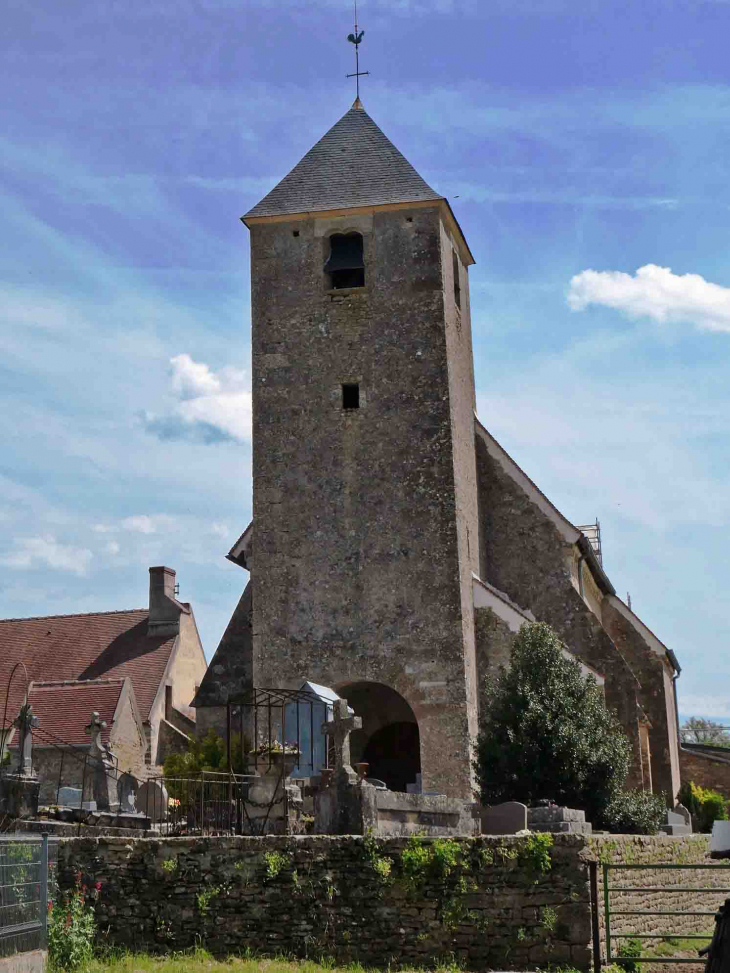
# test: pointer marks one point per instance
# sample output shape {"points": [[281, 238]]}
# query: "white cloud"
{"points": [[112, 548], [654, 292], [141, 524], [32, 551], [211, 407]]}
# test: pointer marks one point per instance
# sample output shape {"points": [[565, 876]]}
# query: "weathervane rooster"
{"points": [[356, 39]]}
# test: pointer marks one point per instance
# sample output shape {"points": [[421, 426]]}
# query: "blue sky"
{"points": [[584, 148]]}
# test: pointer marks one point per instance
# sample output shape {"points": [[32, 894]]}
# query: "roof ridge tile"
{"points": [[42, 618]]}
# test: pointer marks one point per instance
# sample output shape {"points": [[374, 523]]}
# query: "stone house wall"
{"points": [[346, 897], [707, 770], [64, 765], [47, 764], [126, 739], [184, 673]]}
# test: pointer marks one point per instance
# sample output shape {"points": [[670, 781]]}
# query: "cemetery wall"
{"points": [[487, 900]]}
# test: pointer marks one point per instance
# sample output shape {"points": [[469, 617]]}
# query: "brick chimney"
{"points": [[165, 609]]}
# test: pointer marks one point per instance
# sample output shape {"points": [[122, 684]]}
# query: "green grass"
{"points": [[201, 961], [673, 947]]}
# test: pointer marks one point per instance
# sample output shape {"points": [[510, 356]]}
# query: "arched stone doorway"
{"points": [[389, 740]]}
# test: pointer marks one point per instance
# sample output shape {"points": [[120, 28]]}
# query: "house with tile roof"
{"points": [[139, 669], [396, 548]]}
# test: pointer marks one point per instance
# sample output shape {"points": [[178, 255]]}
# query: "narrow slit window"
{"points": [[345, 264], [350, 396], [457, 279]]}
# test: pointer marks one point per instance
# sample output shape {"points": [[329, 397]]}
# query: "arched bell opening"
{"points": [[345, 264], [389, 740]]}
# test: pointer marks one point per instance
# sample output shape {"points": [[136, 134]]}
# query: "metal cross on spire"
{"points": [[356, 39]]}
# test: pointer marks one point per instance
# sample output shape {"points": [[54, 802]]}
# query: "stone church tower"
{"points": [[364, 474], [396, 549]]}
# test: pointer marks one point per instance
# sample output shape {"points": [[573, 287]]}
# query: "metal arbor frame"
{"points": [[264, 712]]}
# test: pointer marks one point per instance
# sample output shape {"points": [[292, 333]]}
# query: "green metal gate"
{"points": [[611, 912]]}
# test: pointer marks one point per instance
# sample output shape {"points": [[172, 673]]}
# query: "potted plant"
{"points": [[278, 759]]}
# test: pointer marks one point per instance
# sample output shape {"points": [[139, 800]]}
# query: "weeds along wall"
{"points": [[509, 902]]}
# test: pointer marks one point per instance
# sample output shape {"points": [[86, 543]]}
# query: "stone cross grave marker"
{"points": [[94, 729], [102, 766], [340, 728], [26, 722]]}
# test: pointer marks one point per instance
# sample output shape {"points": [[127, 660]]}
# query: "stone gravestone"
{"points": [[558, 820], [69, 797], [127, 794], [686, 816], [152, 800], [720, 840], [507, 818], [676, 824]]}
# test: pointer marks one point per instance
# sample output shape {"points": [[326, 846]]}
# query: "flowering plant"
{"points": [[71, 926], [173, 802]]}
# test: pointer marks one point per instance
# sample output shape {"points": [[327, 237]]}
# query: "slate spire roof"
{"points": [[354, 164]]}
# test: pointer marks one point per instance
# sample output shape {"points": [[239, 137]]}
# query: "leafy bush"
{"points": [[704, 804], [629, 952], [71, 929], [206, 753], [547, 733], [634, 812]]}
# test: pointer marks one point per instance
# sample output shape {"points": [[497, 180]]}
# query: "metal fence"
{"points": [[677, 915], [27, 881]]}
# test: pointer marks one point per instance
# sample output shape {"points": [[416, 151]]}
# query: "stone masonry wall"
{"points": [[706, 770], [524, 555], [494, 640], [349, 897], [358, 514], [657, 890], [656, 697]]}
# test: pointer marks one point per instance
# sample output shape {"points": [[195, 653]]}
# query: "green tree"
{"points": [[205, 753], [697, 730], [546, 732]]}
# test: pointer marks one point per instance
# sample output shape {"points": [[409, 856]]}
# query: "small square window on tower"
{"points": [[350, 396]]}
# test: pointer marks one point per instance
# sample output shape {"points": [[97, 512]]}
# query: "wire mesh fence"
{"points": [[27, 882]]}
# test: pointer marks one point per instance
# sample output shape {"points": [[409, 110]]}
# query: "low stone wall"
{"points": [[658, 889], [486, 901]]}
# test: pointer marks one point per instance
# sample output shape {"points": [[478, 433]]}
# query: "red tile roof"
{"points": [[64, 709], [101, 645]]}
